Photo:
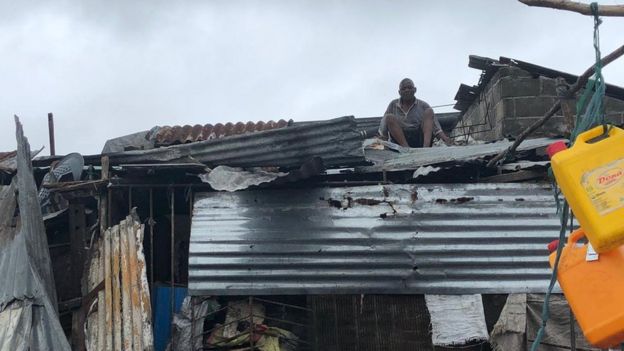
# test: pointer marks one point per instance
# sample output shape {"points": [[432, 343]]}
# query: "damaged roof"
{"points": [[28, 305], [467, 94], [410, 158], [337, 142], [391, 239]]}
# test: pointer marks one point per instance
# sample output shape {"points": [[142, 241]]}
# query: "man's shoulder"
{"points": [[423, 103], [392, 106], [394, 102]]}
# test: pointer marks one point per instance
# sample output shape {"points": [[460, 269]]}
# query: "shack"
{"points": [[313, 235]]}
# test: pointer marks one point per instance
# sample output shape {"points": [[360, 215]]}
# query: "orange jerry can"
{"points": [[594, 290], [591, 177]]}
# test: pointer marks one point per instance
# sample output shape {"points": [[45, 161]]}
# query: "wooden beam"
{"points": [[582, 8]]}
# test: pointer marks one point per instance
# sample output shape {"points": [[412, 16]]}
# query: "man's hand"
{"points": [[448, 141]]}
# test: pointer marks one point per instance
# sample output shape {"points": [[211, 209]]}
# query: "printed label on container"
{"points": [[605, 186]]}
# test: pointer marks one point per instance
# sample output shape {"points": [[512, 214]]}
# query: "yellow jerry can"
{"points": [[591, 177]]}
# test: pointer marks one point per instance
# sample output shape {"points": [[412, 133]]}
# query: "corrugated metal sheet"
{"points": [[397, 239], [336, 141], [448, 120], [410, 158], [28, 310], [122, 320], [188, 134]]}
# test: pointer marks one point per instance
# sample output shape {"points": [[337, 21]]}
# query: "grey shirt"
{"points": [[412, 118]]}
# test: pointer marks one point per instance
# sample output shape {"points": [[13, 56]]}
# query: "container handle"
{"points": [[592, 133], [576, 236]]}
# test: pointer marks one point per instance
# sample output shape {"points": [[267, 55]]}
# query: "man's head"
{"points": [[407, 89]]}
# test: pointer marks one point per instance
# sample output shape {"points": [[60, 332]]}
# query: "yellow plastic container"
{"points": [[594, 290], [591, 177]]}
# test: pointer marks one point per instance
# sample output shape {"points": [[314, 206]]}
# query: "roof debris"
{"points": [[28, 306]]}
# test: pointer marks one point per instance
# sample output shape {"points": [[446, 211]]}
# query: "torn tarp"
{"points": [[28, 315]]}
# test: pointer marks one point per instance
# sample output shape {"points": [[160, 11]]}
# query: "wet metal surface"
{"points": [[397, 239], [337, 141]]}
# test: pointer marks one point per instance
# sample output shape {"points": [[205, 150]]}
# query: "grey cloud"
{"points": [[112, 68]]}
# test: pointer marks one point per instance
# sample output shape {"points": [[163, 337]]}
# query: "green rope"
{"points": [[590, 108], [589, 113]]}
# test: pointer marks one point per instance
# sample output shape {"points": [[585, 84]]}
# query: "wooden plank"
{"points": [[77, 230], [126, 322], [116, 289], [105, 301], [101, 313], [93, 277], [513, 177], [135, 289], [146, 307], [108, 291]]}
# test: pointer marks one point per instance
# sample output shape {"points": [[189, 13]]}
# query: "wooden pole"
{"points": [[51, 133], [584, 9]]}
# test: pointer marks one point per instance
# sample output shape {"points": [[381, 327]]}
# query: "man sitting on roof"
{"points": [[410, 122]]}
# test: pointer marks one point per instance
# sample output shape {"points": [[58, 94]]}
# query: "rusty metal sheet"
{"points": [[397, 239], [124, 288], [125, 301]]}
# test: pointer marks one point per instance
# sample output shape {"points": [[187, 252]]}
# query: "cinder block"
{"points": [[495, 92], [499, 110], [508, 107], [532, 106], [614, 118], [513, 72], [613, 105], [548, 87], [514, 87], [553, 127]]}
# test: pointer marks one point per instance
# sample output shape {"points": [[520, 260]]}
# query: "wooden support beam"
{"points": [[578, 7]]}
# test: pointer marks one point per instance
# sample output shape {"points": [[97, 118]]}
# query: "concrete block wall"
{"points": [[513, 100]]}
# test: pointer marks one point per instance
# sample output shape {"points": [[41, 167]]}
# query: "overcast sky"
{"points": [[110, 68]]}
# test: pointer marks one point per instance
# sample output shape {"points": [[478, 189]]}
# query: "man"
{"points": [[410, 122]]}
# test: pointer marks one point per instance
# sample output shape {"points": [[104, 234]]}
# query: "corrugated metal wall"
{"points": [[394, 239]]}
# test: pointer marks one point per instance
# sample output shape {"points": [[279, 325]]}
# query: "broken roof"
{"points": [[337, 141], [28, 310], [467, 94]]}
